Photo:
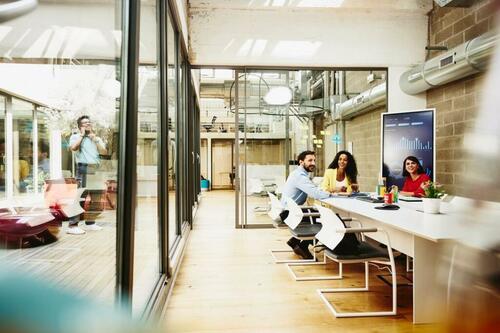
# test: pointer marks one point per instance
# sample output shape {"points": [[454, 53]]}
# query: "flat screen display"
{"points": [[407, 134]]}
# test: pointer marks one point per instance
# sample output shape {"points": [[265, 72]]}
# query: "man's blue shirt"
{"points": [[88, 152], [299, 186]]}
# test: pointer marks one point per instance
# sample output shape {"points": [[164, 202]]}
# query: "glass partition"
{"points": [[173, 228], [22, 138], [59, 132], [61, 79], [147, 247], [182, 144], [3, 157], [43, 149], [264, 141]]}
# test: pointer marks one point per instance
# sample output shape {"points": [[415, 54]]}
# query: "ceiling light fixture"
{"points": [[278, 96]]}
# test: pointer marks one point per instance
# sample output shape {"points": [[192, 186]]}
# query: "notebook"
{"points": [[409, 199]]}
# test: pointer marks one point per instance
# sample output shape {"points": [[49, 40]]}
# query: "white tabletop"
{"points": [[434, 227]]}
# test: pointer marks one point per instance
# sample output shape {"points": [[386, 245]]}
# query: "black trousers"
{"points": [[348, 245], [292, 242]]}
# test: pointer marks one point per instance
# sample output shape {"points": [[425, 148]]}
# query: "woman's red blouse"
{"points": [[411, 185]]}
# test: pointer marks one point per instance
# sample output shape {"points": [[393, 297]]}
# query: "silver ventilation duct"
{"points": [[455, 3], [466, 59], [362, 103], [12, 9]]}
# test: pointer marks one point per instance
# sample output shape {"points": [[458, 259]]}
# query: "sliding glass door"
{"points": [[263, 141], [279, 114]]}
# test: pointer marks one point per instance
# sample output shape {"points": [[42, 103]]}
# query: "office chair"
{"points": [[290, 266], [300, 229], [275, 210], [208, 127], [330, 235]]}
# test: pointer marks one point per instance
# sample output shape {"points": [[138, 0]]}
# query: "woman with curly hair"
{"points": [[342, 174]]}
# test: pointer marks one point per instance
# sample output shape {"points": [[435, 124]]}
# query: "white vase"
{"points": [[431, 205]]}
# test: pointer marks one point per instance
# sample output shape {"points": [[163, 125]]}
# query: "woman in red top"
{"points": [[415, 176]]}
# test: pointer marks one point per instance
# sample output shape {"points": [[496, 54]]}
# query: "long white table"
{"points": [[417, 235]]}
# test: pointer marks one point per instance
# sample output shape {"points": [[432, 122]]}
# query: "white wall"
{"points": [[306, 37], [398, 100]]}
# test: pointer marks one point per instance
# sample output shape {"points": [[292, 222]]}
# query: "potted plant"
{"points": [[432, 198]]}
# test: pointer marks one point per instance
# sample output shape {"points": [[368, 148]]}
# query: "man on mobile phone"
{"points": [[87, 147]]}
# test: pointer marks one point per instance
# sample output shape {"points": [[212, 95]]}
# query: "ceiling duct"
{"points": [[466, 59], [366, 101], [11, 9], [316, 88], [455, 3]]}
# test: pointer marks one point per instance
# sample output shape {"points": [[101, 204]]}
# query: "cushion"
{"points": [[307, 230], [364, 251]]}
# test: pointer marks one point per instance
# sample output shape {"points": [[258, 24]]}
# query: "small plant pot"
{"points": [[431, 205]]}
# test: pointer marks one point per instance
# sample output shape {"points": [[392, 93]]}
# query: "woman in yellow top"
{"points": [[342, 174]]}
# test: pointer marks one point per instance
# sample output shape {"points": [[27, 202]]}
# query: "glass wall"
{"points": [[22, 135], [61, 91], [147, 246], [280, 113], [3, 156], [61, 120], [43, 149], [264, 141], [173, 228], [183, 144]]}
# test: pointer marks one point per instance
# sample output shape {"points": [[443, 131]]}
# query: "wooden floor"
{"points": [[86, 264], [229, 283]]}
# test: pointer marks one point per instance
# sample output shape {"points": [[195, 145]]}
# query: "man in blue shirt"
{"points": [[298, 187], [87, 147]]}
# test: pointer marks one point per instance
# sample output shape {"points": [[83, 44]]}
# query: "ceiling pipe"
{"points": [[11, 10], [464, 60], [366, 101]]}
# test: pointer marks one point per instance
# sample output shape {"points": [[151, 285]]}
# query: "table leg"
{"points": [[429, 294]]}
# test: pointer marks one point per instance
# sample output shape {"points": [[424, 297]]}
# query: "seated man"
{"points": [[298, 187]]}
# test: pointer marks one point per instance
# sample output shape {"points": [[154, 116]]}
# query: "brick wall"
{"points": [[356, 81], [364, 133], [456, 103]]}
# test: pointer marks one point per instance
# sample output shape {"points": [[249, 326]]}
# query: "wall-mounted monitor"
{"points": [[410, 133]]}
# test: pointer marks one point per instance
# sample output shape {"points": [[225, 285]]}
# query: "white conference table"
{"points": [[417, 235]]}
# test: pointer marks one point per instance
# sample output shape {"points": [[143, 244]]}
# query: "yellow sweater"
{"points": [[329, 181]]}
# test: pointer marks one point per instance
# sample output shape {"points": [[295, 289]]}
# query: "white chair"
{"points": [[293, 206], [330, 235], [275, 211], [302, 232]]}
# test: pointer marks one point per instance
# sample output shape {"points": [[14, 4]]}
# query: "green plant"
{"points": [[433, 190]]}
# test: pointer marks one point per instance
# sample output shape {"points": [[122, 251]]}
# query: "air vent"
{"points": [[443, 62]]}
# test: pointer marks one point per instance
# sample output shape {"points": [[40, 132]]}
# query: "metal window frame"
{"points": [[9, 143], [127, 162]]}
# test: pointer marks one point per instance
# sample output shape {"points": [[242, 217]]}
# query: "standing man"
{"points": [[87, 147], [298, 187]]}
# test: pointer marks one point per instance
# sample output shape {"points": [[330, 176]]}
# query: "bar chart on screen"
{"points": [[415, 144]]}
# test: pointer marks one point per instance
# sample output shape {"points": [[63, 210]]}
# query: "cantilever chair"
{"points": [[275, 211], [293, 206], [302, 231], [330, 235]]}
